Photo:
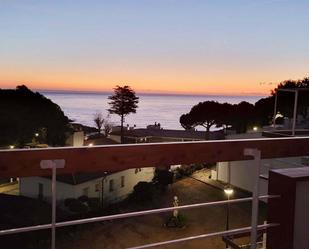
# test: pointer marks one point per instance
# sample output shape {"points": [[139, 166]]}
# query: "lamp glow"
{"points": [[228, 191]]}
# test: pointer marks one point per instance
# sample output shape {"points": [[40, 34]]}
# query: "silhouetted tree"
{"points": [[107, 125], [186, 121], [264, 108], [123, 102], [204, 114], [98, 121], [210, 113], [242, 116], [24, 113]]}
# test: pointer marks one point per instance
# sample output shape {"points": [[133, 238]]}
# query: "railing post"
{"points": [[53, 165], [256, 154]]}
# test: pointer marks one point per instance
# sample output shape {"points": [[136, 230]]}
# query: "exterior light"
{"points": [[255, 128], [12, 146], [90, 145], [228, 191], [278, 115], [36, 134]]}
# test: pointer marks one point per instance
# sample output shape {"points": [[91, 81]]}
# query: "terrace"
{"points": [[286, 225]]}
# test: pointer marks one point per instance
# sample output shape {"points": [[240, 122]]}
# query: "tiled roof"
{"points": [[78, 178]]}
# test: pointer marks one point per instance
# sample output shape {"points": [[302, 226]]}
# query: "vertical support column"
{"points": [[53, 165], [256, 154], [295, 113], [275, 111]]}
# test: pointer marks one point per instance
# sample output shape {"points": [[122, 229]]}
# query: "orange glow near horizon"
{"points": [[163, 83]]}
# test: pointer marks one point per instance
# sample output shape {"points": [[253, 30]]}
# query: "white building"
{"points": [[241, 174], [112, 187]]}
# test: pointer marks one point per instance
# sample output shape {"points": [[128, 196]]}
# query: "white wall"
{"points": [[29, 186], [76, 139], [132, 177], [242, 173]]}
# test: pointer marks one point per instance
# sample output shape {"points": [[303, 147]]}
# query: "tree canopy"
{"points": [[243, 115], [25, 114], [212, 113], [264, 108], [123, 102]]}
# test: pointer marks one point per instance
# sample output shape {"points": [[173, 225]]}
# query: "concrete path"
{"points": [[203, 176]]}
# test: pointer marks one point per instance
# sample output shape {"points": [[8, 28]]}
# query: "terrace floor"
{"points": [[148, 229]]}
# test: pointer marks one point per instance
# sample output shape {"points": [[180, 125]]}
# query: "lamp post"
{"points": [[228, 191], [102, 188]]}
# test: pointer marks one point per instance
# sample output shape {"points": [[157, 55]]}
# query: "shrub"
{"points": [[94, 203], [163, 178], [68, 201], [77, 206], [143, 191], [83, 198], [180, 221]]}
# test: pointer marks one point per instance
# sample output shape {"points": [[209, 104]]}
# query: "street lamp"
{"points": [[102, 188], [228, 191]]}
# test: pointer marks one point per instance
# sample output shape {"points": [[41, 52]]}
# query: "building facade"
{"points": [[109, 188]]}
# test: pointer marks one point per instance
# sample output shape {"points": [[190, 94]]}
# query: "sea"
{"points": [[165, 109]]}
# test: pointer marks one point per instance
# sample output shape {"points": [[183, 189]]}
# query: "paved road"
{"points": [[203, 176]]}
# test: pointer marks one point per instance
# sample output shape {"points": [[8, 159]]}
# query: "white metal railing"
{"points": [[129, 215], [54, 164], [203, 236]]}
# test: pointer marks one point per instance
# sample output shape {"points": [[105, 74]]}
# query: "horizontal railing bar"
{"points": [[203, 236], [130, 214], [26, 162]]}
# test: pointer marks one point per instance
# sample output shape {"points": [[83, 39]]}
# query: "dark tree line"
{"points": [[25, 114], [244, 115], [212, 113], [264, 108]]}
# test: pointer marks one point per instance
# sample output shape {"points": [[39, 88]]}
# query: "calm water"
{"points": [[165, 109]]}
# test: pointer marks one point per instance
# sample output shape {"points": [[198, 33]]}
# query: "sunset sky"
{"points": [[174, 46]]}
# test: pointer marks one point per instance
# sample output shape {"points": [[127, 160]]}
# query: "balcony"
{"points": [[286, 196]]}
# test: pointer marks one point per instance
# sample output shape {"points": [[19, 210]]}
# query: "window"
{"points": [[86, 191], [97, 187], [111, 185], [138, 170], [122, 181]]}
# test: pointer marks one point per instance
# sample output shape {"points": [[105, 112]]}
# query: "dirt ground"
{"points": [[137, 231]]}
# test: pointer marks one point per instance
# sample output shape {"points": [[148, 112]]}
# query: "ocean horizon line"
{"points": [[58, 91]]}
